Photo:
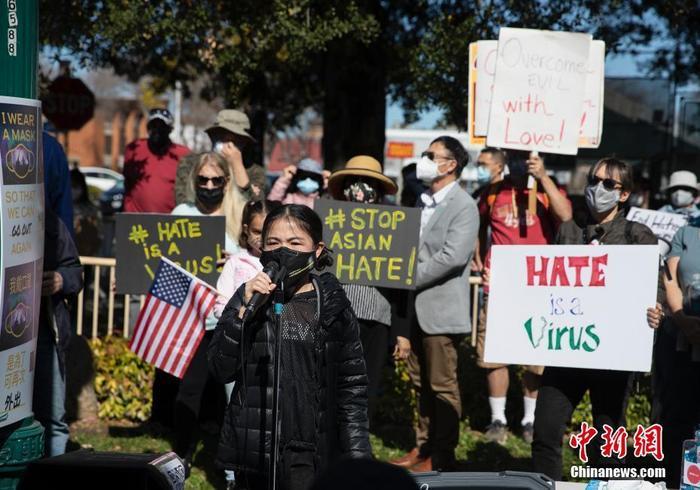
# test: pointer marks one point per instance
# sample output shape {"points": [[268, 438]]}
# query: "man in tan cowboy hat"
{"points": [[229, 135]]}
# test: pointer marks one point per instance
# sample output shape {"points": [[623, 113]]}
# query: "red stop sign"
{"points": [[69, 103]]}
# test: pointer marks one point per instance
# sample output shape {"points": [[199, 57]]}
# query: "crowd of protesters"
{"points": [[337, 339]]}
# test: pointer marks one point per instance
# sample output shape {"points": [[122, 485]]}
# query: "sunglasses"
{"points": [[609, 184], [202, 181]]}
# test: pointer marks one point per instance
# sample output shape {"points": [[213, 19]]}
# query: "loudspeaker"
{"points": [[514, 480], [106, 471]]}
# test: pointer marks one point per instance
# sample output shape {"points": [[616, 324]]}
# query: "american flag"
{"points": [[170, 325]]}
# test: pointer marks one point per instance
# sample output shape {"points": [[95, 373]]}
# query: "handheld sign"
{"points": [[664, 225], [482, 70], [373, 245], [572, 305], [593, 99], [538, 92], [193, 242]]}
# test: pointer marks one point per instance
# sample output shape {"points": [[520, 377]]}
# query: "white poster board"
{"points": [[538, 92], [585, 308], [664, 225], [485, 76], [21, 252], [593, 100]]}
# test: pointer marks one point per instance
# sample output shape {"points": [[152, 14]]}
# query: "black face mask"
{"points": [[159, 139], [298, 265], [211, 198]]}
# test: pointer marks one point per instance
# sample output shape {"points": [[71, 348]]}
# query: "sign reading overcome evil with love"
{"points": [[193, 242], [372, 245], [572, 306]]}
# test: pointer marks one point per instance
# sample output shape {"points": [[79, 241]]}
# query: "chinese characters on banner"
{"points": [[572, 306], [22, 223]]}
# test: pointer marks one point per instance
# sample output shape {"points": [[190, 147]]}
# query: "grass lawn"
{"points": [[473, 452]]}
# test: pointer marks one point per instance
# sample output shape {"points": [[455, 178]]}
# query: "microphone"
{"points": [[276, 274]]}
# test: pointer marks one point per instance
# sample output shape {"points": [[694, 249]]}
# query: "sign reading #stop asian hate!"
{"points": [[372, 245]]}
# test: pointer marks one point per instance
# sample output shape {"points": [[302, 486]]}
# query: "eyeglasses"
{"points": [[609, 184], [432, 156], [202, 181]]}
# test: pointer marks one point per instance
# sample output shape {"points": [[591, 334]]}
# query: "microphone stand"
{"points": [[278, 303]]}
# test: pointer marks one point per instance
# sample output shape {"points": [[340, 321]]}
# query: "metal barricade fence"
{"points": [[98, 286]]}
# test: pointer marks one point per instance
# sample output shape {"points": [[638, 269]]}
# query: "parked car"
{"points": [[102, 178], [112, 200]]}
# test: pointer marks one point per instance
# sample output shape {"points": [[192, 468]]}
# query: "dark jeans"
{"points": [[296, 472], [562, 390], [375, 347], [189, 400]]}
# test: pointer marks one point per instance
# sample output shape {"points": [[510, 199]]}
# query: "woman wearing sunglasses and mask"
{"points": [[609, 187], [215, 195]]}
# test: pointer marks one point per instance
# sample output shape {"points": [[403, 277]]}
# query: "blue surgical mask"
{"points": [[307, 186], [483, 176]]}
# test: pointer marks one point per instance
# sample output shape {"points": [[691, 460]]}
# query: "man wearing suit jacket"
{"points": [[449, 229]]}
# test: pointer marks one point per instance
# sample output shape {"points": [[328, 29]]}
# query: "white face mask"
{"points": [[599, 199], [427, 170], [681, 198]]}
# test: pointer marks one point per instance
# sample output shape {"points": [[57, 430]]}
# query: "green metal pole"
{"points": [[19, 47], [20, 442]]}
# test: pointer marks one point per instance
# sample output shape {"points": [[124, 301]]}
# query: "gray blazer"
{"points": [[445, 252]]}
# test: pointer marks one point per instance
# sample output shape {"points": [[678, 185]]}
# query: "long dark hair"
{"points": [[305, 218], [250, 211]]}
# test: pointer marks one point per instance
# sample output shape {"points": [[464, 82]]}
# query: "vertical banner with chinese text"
{"points": [[22, 252]]}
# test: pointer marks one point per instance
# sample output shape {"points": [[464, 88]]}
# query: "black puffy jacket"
{"points": [[342, 424]]}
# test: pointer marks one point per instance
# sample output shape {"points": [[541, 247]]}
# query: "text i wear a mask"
{"points": [[361, 192], [681, 198], [210, 197], [298, 265], [427, 170], [308, 186], [601, 200]]}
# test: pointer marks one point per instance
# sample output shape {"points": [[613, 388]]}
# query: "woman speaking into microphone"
{"points": [[322, 396]]}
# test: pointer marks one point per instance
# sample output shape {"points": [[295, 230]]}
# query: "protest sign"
{"points": [[373, 245], [22, 223], [664, 225], [538, 92], [593, 99], [482, 69], [572, 306], [193, 242]]}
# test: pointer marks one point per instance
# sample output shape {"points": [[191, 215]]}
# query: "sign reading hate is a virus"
{"points": [[572, 306]]}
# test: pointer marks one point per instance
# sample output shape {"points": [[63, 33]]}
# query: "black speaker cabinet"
{"points": [[512, 480], [106, 471]]}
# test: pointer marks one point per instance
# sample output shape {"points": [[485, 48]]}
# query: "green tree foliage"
{"points": [[254, 54], [278, 57]]}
